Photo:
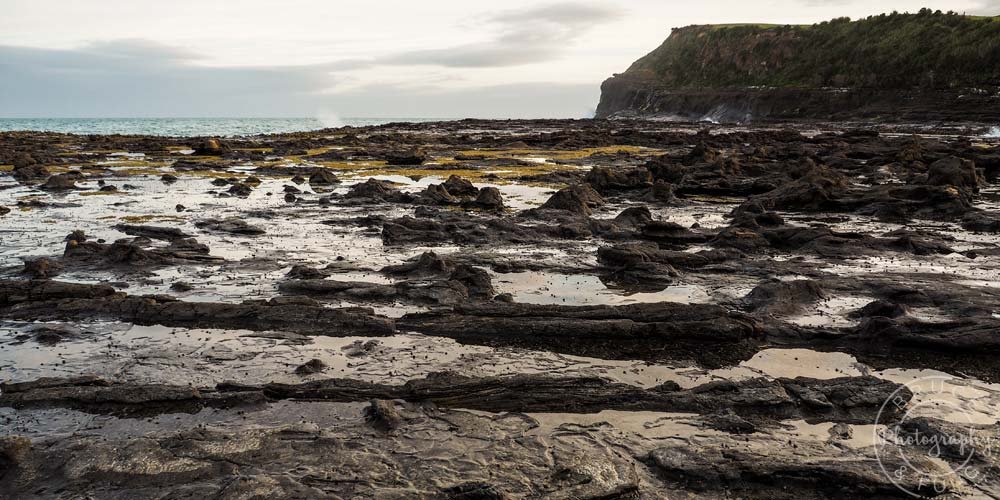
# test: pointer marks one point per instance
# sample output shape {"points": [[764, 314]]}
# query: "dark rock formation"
{"points": [[231, 225], [738, 73], [580, 199]]}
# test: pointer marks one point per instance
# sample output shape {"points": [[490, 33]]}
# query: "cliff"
{"points": [[925, 66]]}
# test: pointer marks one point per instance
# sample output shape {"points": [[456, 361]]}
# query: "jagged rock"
{"points": [[409, 158], [818, 188], [57, 300], [60, 182], [579, 199], [728, 421], [50, 335], [784, 297], [638, 262], [323, 177], [841, 432], [23, 160], [382, 415], [477, 281], [42, 267], [154, 232], [489, 198], [374, 189], [133, 251], [361, 348], [472, 491], [427, 264], [437, 194], [311, 367], [458, 186], [211, 147], [231, 225], [302, 272], [14, 452], [727, 466], [662, 192], [463, 284], [981, 222], [26, 168], [241, 190], [846, 399], [709, 334], [608, 179], [880, 308], [634, 217], [953, 171], [465, 229], [670, 233]]}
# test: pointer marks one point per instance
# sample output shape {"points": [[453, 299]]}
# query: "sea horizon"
{"points": [[195, 126]]}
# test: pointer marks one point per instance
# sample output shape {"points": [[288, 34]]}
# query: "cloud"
{"points": [[519, 100], [521, 37], [986, 8], [572, 14], [127, 78]]}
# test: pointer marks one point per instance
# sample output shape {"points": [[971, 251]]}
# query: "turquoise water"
{"points": [[187, 127]]}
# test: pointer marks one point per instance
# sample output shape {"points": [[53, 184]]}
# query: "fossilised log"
{"points": [[30, 300], [708, 334], [848, 399]]}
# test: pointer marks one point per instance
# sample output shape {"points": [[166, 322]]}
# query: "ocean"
{"points": [[189, 127]]}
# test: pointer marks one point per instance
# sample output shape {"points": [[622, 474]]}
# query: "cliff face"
{"points": [[927, 66]]}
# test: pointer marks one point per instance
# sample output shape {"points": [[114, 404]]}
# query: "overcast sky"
{"points": [[352, 58]]}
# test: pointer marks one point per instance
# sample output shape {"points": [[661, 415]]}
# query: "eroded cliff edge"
{"points": [[929, 66]]}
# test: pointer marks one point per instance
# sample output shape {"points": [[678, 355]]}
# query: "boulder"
{"points": [[405, 158], [60, 182], [954, 171], [489, 198], [240, 189], [373, 189], [608, 179], [42, 267], [458, 186], [323, 177], [211, 147], [437, 194], [580, 199]]}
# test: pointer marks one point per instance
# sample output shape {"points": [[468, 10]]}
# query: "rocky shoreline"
{"points": [[630, 97], [499, 309]]}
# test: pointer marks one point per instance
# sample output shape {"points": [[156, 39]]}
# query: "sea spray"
{"points": [[330, 119]]}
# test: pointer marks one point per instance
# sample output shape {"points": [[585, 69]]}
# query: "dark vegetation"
{"points": [[929, 49]]}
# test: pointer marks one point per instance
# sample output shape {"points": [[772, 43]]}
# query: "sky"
{"points": [[346, 58]]}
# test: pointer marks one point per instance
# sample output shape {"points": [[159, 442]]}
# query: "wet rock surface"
{"points": [[518, 309]]}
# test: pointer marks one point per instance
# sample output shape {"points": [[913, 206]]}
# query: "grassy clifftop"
{"points": [[890, 51]]}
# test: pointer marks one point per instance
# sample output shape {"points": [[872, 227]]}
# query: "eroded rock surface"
{"points": [[517, 309]]}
